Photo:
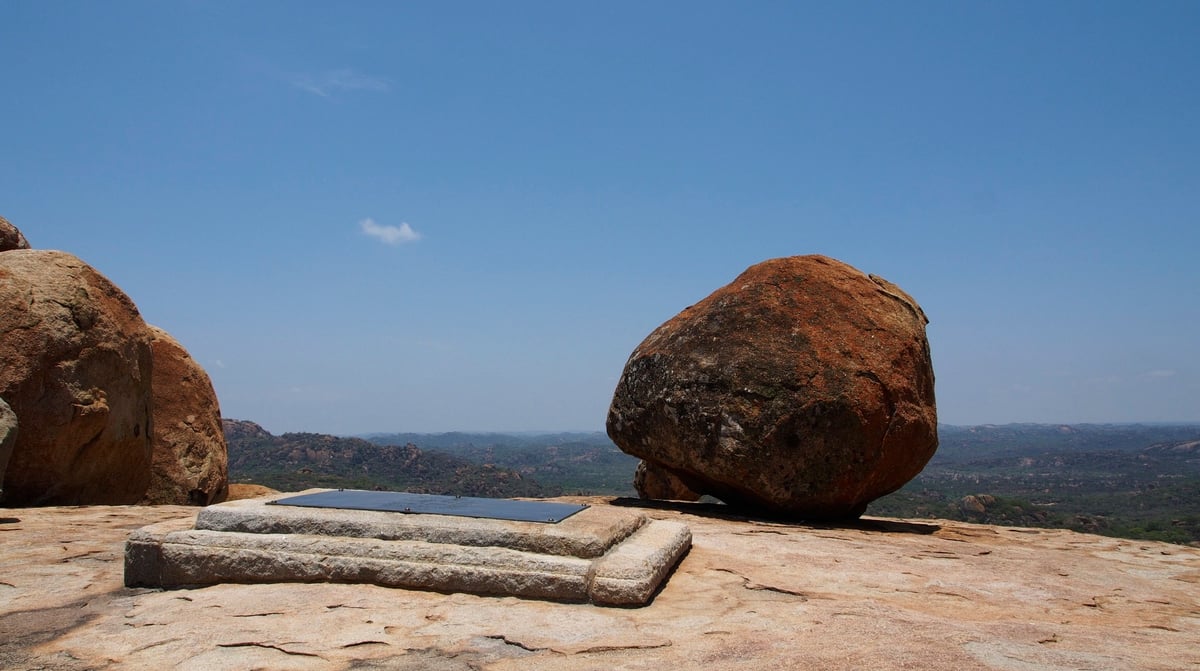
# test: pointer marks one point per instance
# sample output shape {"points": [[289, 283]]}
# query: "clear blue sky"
{"points": [[430, 216]]}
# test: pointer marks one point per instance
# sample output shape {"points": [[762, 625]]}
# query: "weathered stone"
{"points": [[585, 534], [77, 369], [803, 388], [8, 435], [11, 237], [934, 595], [654, 482], [603, 555], [190, 461], [239, 491]]}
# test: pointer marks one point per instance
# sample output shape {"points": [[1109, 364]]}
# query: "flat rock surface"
{"points": [[880, 594]]}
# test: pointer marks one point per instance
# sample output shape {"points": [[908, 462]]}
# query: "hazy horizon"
{"points": [[545, 432], [459, 216]]}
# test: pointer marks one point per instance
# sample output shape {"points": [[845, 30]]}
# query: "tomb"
{"points": [[533, 549]]}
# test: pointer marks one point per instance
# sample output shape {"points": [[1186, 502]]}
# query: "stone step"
{"points": [[588, 533], [252, 542]]}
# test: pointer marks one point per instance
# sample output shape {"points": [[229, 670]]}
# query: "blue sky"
{"points": [[383, 216]]}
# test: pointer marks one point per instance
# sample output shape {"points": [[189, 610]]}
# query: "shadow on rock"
{"points": [[22, 632], [722, 511]]}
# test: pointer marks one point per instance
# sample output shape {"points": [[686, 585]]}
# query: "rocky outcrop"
{"points": [[8, 435], [803, 388], [653, 482], [189, 463], [77, 373], [11, 237], [877, 594]]}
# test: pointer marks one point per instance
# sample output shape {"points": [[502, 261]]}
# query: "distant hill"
{"points": [[1128, 480], [969, 443], [295, 461], [576, 463]]}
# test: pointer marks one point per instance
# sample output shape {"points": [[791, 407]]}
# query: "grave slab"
{"points": [[608, 556]]}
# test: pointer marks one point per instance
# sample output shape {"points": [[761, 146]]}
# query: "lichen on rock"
{"points": [[803, 388]]}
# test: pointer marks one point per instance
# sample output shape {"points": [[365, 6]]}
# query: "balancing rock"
{"points": [[804, 388]]}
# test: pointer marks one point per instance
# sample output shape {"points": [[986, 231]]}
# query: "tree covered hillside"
{"points": [[295, 461]]}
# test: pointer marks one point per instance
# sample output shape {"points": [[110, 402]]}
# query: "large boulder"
{"points": [[8, 435], [76, 371], [190, 462], [804, 388], [10, 237]]}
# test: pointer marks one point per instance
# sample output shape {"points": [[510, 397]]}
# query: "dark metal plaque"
{"points": [[433, 504]]}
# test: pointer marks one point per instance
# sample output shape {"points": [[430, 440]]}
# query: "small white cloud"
{"points": [[1161, 373], [392, 235], [220, 364], [325, 84]]}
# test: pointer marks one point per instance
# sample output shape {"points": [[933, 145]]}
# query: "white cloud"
{"points": [[220, 364], [327, 83], [392, 235], [1160, 373]]}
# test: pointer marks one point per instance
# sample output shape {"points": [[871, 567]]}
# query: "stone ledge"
{"points": [[255, 543], [588, 533]]}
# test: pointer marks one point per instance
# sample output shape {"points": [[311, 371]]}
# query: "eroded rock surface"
{"points": [[77, 368], [878, 594], [190, 461], [803, 388]]}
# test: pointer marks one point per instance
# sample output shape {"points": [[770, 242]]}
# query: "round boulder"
{"points": [[77, 368], [190, 461], [804, 388], [11, 237]]}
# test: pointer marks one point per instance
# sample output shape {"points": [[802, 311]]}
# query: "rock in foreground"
{"points": [[751, 595], [76, 371], [190, 461], [803, 388]]}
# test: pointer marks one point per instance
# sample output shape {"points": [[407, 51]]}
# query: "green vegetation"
{"points": [[1130, 481], [575, 463], [296, 461]]}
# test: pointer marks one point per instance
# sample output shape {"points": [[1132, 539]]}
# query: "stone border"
{"points": [[588, 533], [447, 554]]}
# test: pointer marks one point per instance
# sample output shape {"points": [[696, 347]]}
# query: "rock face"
{"points": [[803, 388], [8, 435], [653, 482], [190, 462], [600, 554], [751, 595], [77, 369], [10, 237]]}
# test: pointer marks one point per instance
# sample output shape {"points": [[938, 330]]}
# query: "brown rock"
{"points": [[76, 372], [972, 504], [803, 388], [241, 491], [11, 237], [190, 462], [8, 435], [654, 482]]}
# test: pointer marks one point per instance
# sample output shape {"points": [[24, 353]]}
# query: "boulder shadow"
{"points": [[736, 514]]}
